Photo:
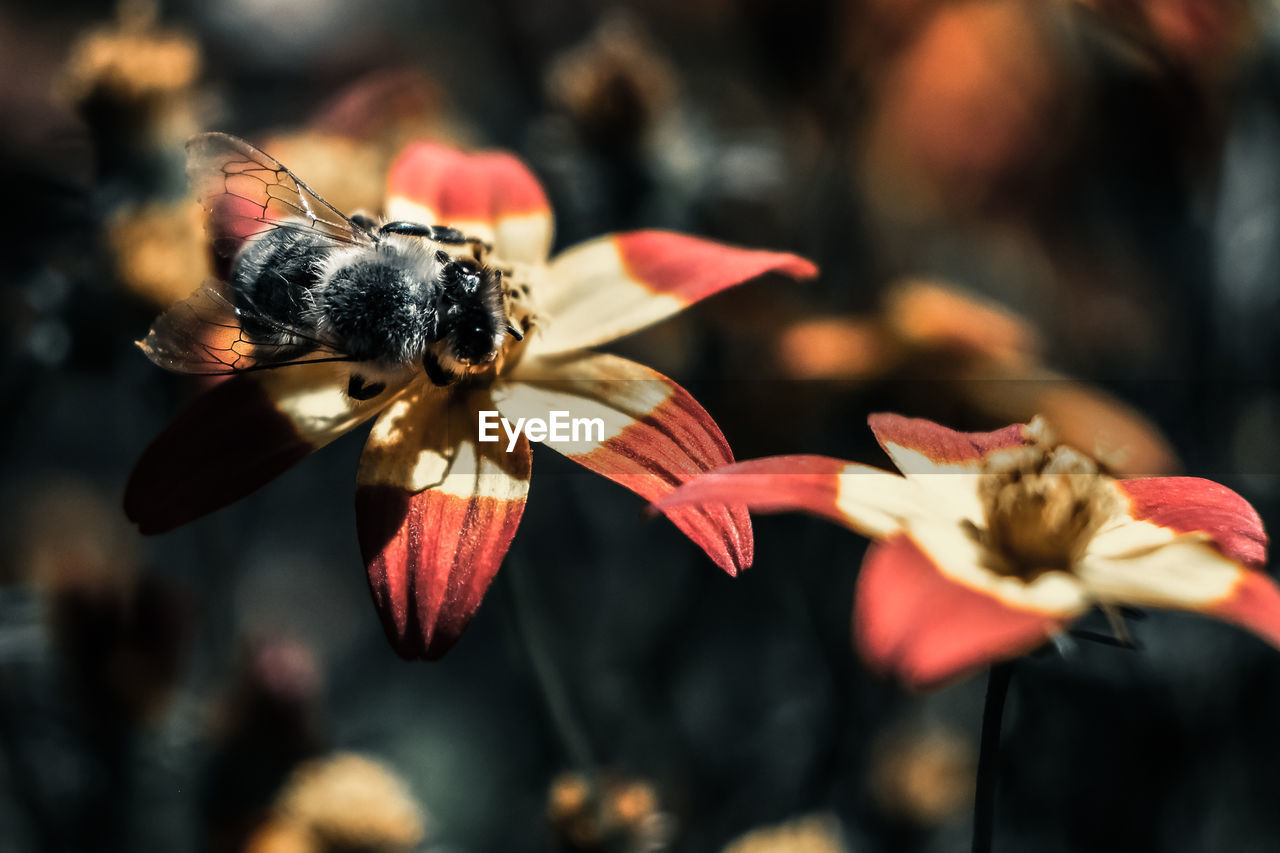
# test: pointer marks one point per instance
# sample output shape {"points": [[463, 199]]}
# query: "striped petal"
{"points": [[436, 511], [1195, 505], [651, 437], [490, 195], [913, 620], [868, 500], [613, 285], [238, 436]]}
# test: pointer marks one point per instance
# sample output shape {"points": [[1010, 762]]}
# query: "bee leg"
{"points": [[479, 249], [359, 389], [437, 233], [363, 221], [445, 234], [437, 374]]}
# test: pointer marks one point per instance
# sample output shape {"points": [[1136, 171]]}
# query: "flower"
{"points": [[436, 509], [816, 833], [991, 543], [978, 355], [606, 811], [343, 801], [134, 60], [922, 773]]}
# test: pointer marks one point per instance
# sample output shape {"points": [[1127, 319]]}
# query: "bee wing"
{"points": [[205, 334], [246, 192]]}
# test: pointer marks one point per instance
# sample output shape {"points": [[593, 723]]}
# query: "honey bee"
{"points": [[297, 282]]}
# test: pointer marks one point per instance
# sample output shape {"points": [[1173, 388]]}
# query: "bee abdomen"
{"points": [[272, 280], [380, 310]]}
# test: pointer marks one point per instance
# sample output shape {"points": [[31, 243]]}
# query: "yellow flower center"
{"points": [[1042, 506]]}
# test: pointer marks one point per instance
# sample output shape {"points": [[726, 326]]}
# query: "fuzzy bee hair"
{"points": [[381, 301], [403, 301]]}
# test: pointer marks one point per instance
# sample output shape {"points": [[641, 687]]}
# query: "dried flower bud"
{"points": [[606, 814], [613, 84], [132, 60], [923, 774]]}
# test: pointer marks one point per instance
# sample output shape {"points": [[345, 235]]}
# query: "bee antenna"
{"points": [[515, 332]]}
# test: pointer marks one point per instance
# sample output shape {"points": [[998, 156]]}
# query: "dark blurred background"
{"points": [[1019, 207]]}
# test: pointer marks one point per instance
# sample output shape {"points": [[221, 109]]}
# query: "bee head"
{"points": [[474, 317]]}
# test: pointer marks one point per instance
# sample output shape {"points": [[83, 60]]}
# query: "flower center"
{"points": [[1042, 505]]}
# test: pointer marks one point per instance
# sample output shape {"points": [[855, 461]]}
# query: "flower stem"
{"points": [[529, 633], [984, 801]]}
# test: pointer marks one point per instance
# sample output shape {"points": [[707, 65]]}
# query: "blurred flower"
{"points": [[159, 250], [133, 59], [614, 84], [993, 543], [383, 105], [268, 722], [980, 354], [280, 838], [343, 802], [928, 314], [813, 834], [921, 319], [969, 112], [436, 507], [349, 142], [924, 774], [606, 813], [134, 77], [71, 537], [1207, 36], [120, 633]]}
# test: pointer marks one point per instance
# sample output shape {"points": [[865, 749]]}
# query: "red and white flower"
{"points": [[436, 509], [989, 544]]}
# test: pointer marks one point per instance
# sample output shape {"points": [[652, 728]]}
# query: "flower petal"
{"points": [[1181, 572], [436, 511], [238, 436], [1184, 543], [1186, 573], [490, 195], [913, 620], [869, 500], [652, 436], [1253, 604], [1192, 504], [919, 446], [613, 285]]}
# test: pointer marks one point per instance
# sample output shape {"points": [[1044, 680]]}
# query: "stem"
{"points": [[554, 693], [984, 801]]}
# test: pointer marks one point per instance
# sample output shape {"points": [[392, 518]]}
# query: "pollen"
{"points": [[1042, 505]]}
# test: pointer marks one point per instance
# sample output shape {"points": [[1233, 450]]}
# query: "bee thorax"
{"points": [[380, 305]]}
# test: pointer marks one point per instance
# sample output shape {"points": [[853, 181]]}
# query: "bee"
{"points": [[298, 282]]}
